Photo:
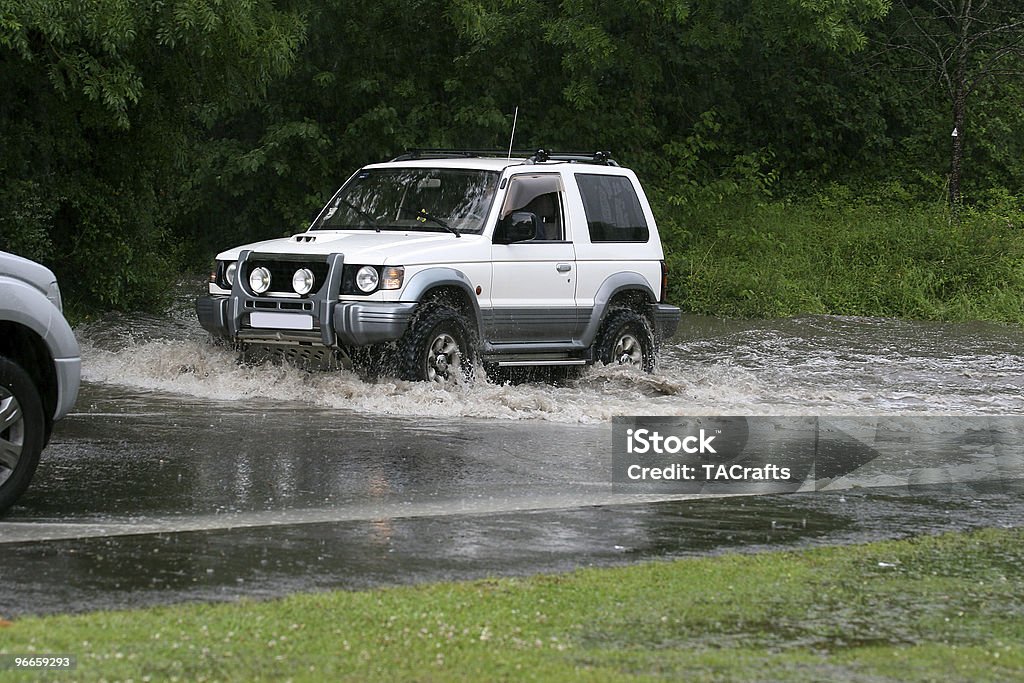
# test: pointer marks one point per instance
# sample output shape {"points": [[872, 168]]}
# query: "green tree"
{"points": [[960, 45], [635, 79], [105, 107]]}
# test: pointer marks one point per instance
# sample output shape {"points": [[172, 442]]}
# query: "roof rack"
{"points": [[412, 154], [600, 158], [539, 156]]}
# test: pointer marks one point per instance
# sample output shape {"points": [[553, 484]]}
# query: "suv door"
{"points": [[533, 281]]}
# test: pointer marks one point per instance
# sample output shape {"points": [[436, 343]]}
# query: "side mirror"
{"points": [[519, 226]]}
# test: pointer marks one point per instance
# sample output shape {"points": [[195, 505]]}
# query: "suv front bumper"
{"points": [[332, 324]]}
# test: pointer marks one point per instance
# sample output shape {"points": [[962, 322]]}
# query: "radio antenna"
{"points": [[512, 139]]}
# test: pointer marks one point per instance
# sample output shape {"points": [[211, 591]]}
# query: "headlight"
{"points": [[259, 279], [367, 279], [303, 281], [229, 272], [393, 277]]}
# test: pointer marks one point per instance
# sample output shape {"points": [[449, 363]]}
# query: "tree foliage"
{"points": [[105, 106], [961, 45], [136, 137]]}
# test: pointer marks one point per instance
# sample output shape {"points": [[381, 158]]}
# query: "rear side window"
{"points": [[613, 209]]}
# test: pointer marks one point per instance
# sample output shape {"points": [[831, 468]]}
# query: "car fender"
{"points": [[430, 278], [25, 305], [614, 284]]}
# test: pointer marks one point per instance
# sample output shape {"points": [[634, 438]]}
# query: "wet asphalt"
{"points": [[146, 498]]}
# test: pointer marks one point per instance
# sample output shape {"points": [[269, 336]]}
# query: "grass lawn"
{"points": [[943, 608], [845, 257]]}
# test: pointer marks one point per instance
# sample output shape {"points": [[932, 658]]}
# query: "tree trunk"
{"points": [[959, 113], [955, 170]]}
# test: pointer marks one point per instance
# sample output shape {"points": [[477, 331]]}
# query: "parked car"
{"points": [[447, 257], [40, 369]]}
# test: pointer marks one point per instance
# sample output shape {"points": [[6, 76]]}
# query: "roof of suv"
{"points": [[475, 163], [493, 160]]}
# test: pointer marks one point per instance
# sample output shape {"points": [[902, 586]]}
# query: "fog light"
{"points": [[259, 280], [367, 279], [229, 272], [302, 281], [393, 277]]}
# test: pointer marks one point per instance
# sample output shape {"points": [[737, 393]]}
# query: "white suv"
{"points": [[446, 257]]}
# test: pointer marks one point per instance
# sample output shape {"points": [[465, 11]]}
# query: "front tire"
{"points": [[626, 339], [22, 431], [439, 347]]}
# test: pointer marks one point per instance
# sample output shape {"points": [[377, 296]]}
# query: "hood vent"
{"points": [[303, 237]]}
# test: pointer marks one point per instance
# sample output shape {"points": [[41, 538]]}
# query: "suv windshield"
{"points": [[411, 199]]}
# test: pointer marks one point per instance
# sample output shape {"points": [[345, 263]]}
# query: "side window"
{"points": [[613, 209], [541, 195]]}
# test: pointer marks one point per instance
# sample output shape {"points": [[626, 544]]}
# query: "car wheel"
{"points": [[439, 347], [626, 339], [22, 431]]}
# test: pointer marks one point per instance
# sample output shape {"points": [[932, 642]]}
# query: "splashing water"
{"points": [[811, 365]]}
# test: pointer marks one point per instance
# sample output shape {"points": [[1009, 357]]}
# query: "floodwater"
{"points": [[819, 365], [183, 475]]}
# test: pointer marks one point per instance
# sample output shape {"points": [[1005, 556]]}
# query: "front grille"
{"points": [[280, 305], [281, 273]]}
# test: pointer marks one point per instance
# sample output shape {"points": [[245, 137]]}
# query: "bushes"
{"points": [[113, 252], [25, 217]]}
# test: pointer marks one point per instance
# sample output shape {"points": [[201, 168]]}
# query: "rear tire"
{"points": [[22, 431], [626, 339], [438, 347]]}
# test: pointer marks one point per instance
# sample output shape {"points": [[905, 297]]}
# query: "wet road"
{"points": [[183, 476], [145, 498]]}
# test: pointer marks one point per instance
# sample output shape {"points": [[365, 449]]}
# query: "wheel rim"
{"points": [[444, 359], [628, 350], [12, 433]]}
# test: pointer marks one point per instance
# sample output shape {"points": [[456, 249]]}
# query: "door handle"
{"points": [[563, 267]]}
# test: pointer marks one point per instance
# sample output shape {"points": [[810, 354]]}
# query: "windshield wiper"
{"points": [[373, 219], [423, 216]]}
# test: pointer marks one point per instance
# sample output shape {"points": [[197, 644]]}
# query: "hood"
{"points": [[31, 272], [388, 247]]}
